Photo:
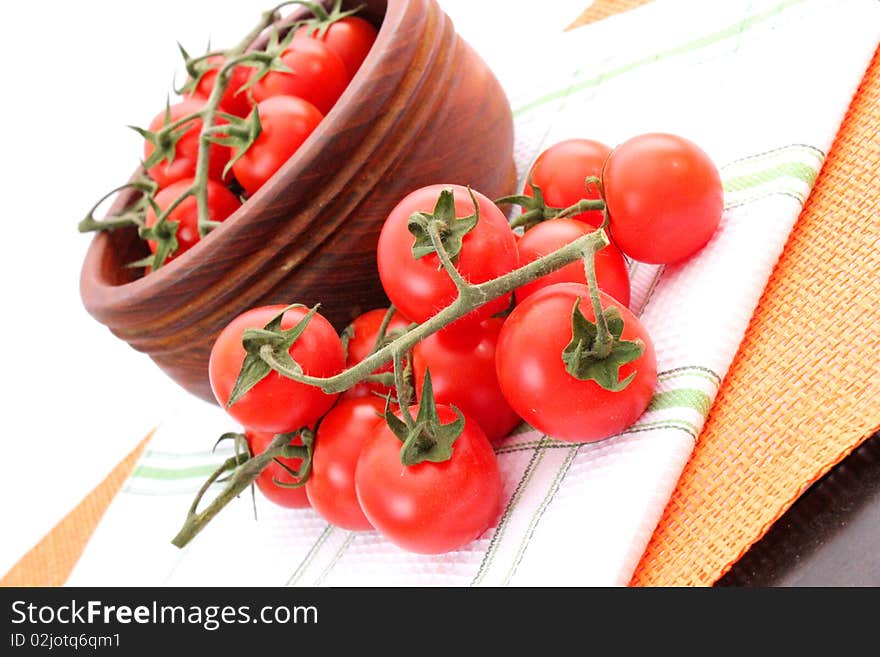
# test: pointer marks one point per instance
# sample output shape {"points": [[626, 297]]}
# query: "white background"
{"points": [[75, 399]]}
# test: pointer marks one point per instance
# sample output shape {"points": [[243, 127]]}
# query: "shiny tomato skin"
{"points": [[221, 204], [234, 100], [561, 172], [351, 38], [318, 75], [548, 236], [463, 375], [277, 404], [286, 123], [664, 197], [186, 150], [533, 376], [364, 330], [430, 508], [291, 498], [341, 434], [421, 288]]}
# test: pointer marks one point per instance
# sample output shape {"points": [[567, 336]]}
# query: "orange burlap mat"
{"points": [[803, 391]]}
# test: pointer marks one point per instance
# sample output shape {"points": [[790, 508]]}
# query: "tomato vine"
{"points": [[594, 351], [263, 344]]}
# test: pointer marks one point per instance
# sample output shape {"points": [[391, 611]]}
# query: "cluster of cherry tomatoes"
{"points": [[517, 357], [321, 58]]}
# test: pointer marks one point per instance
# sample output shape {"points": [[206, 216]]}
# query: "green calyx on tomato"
{"points": [[243, 468], [349, 36], [267, 60], [592, 356], [449, 228], [203, 73], [164, 139], [239, 134], [164, 234], [567, 173], [291, 450], [196, 68], [425, 438], [267, 349], [283, 446], [172, 223], [322, 20], [536, 209]]}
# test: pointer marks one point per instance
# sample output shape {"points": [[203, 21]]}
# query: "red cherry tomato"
{"points": [[286, 123], [561, 172], [463, 375], [186, 149], [363, 333], [221, 204], [318, 75], [338, 443], [535, 382], [664, 197], [430, 507], [420, 288], [351, 38], [546, 237], [277, 404], [267, 480], [234, 100]]}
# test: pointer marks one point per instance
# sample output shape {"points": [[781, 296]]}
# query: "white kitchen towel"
{"points": [[762, 86]]}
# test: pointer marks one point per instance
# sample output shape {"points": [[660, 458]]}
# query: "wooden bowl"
{"points": [[422, 109]]}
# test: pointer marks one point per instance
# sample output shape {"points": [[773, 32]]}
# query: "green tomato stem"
{"points": [[209, 114], [470, 297], [604, 338], [535, 215], [182, 121], [315, 7], [383, 328], [584, 205], [89, 223], [243, 474], [401, 385], [437, 241]]}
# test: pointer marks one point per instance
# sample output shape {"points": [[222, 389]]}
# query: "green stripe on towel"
{"points": [[799, 170], [702, 42]]}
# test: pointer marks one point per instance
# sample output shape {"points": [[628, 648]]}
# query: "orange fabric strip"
{"points": [[50, 562]]}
